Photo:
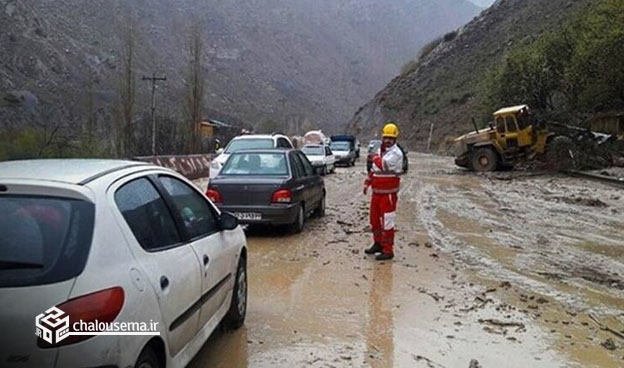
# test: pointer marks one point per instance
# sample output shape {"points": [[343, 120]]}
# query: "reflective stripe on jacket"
{"points": [[384, 176]]}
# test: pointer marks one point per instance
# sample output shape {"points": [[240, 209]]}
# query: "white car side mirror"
{"points": [[220, 151]]}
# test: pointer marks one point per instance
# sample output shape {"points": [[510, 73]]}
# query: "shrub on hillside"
{"points": [[450, 36], [22, 144], [412, 65], [428, 48], [596, 70], [34, 143], [577, 67]]}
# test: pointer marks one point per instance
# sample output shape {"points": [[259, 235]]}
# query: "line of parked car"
{"points": [[123, 241], [262, 179]]}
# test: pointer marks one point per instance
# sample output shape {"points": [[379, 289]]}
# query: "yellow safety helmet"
{"points": [[390, 130]]}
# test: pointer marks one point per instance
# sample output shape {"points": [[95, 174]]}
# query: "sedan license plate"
{"points": [[248, 215]]}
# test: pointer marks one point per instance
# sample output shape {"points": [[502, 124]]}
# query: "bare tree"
{"points": [[126, 89], [194, 85], [90, 111]]}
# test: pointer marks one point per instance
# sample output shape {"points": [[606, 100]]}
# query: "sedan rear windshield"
{"points": [[244, 144], [271, 164], [43, 240], [313, 150], [340, 146]]}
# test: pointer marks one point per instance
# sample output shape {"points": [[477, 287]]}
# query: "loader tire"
{"points": [[484, 159], [561, 153]]}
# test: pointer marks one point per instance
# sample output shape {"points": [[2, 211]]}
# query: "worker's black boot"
{"points": [[376, 248], [384, 256]]}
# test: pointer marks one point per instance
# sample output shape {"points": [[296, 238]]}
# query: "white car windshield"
{"points": [[313, 150], [243, 144]]}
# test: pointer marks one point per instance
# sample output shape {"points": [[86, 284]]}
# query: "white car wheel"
{"points": [[238, 308]]}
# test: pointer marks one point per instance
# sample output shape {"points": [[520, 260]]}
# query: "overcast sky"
{"points": [[483, 3]]}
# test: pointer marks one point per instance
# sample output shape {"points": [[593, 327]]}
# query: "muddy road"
{"points": [[508, 270]]}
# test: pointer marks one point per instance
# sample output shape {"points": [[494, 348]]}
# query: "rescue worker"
{"points": [[384, 178]]}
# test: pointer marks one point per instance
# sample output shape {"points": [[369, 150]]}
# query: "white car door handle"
{"points": [[164, 282]]}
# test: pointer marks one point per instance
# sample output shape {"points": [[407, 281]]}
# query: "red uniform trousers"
{"points": [[382, 215]]}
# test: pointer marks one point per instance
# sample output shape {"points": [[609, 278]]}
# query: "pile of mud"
{"points": [[578, 153]]}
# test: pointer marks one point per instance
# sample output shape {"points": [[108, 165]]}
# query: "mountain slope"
{"points": [[295, 60], [442, 89]]}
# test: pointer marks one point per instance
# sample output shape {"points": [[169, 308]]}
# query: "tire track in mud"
{"points": [[569, 262], [542, 219]]}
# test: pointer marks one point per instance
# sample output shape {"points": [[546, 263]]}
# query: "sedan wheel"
{"points": [[241, 292], [238, 308], [299, 223], [320, 210]]}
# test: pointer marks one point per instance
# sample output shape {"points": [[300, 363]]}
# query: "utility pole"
{"points": [[154, 79], [430, 135]]}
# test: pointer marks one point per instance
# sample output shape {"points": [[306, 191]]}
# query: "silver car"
{"points": [[112, 263]]}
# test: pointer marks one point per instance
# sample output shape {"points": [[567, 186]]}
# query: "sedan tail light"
{"points": [[102, 306], [282, 196], [214, 195]]}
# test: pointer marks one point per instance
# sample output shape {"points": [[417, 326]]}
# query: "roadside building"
{"points": [[215, 134], [608, 123]]}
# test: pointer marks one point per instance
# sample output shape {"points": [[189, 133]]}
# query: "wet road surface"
{"points": [[508, 269]]}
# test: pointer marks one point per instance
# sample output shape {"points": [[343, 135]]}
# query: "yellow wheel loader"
{"points": [[512, 137]]}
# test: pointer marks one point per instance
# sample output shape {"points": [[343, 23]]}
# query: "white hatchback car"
{"points": [[249, 141], [115, 242], [320, 156]]}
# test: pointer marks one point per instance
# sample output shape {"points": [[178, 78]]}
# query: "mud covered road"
{"points": [[504, 270]]}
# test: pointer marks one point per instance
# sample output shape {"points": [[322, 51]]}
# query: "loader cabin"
{"points": [[516, 133], [513, 125]]}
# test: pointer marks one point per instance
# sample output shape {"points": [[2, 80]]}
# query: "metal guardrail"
{"points": [[597, 177], [191, 166]]}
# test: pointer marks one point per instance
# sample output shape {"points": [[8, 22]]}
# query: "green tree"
{"points": [[524, 77], [269, 126], [577, 67], [596, 68]]}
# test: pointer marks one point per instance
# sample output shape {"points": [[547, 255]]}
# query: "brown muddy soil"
{"points": [[501, 270]]}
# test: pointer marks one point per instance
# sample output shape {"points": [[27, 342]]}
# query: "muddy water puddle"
{"points": [[549, 235], [487, 268]]}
